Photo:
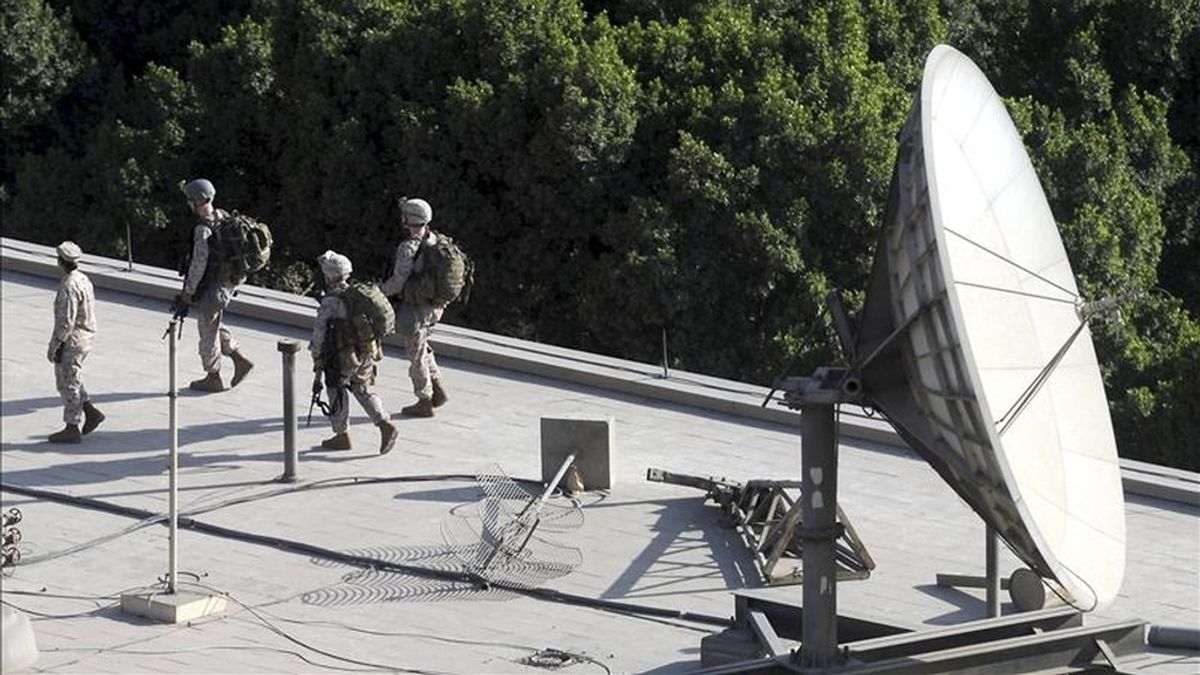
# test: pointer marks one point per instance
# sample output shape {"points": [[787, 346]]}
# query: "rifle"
{"points": [[316, 401], [179, 312], [335, 380]]}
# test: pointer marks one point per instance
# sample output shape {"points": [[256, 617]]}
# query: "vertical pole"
{"points": [[818, 492], [992, 555], [129, 246], [288, 349], [666, 367], [173, 499]]}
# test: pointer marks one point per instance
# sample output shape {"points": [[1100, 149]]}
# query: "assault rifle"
{"points": [[332, 378]]}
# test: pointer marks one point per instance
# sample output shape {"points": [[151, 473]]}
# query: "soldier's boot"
{"points": [[241, 367], [422, 408], [69, 434], [439, 394], [210, 382], [337, 442], [92, 417], [387, 436]]}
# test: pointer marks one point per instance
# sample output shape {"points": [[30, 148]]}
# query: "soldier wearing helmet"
{"points": [[344, 371], [70, 344], [207, 296], [415, 321]]}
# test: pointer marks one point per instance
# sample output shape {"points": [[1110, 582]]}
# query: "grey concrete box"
{"points": [[591, 440]]}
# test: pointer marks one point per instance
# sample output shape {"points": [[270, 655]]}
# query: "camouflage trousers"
{"points": [[215, 338], [69, 384], [422, 366], [360, 384]]}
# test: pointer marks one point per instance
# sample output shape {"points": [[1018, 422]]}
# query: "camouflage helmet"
{"points": [[69, 251], [415, 212], [198, 190]]}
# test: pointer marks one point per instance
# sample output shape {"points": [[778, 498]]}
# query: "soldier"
{"points": [[415, 320], [335, 355], [208, 296], [70, 343]]}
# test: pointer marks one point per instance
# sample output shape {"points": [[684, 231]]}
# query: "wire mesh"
{"points": [[503, 538], [515, 500]]}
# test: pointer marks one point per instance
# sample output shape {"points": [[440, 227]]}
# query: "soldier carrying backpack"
{"points": [[429, 273], [225, 248], [345, 347]]}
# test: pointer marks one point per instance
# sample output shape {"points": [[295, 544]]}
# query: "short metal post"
{"points": [[290, 459], [818, 492], [666, 358]]}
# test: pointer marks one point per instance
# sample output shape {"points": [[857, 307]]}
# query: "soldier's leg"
{"points": [[361, 385], [208, 326], [66, 380], [419, 360]]}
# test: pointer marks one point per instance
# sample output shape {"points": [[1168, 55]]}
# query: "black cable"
{"points": [[375, 563]]}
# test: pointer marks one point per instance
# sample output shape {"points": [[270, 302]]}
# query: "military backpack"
{"points": [[369, 317], [446, 275], [240, 246]]}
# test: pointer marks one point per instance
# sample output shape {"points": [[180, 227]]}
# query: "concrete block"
{"points": [[592, 442], [179, 607]]}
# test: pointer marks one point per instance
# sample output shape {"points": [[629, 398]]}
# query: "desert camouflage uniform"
{"points": [[361, 377], [74, 329], [415, 322], [209, 306]]}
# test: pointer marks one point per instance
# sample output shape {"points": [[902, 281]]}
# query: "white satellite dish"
{"points": [[975, 345]]}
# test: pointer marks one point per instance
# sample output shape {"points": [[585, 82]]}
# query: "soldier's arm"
{"points": [[199, 259], [405, 254], [66, 307]]}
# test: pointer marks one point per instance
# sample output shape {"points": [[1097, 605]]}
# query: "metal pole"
{"points": [[290, 459], [818, 492], [129, 246], [666, 368], [992, 554], [173, 499]]}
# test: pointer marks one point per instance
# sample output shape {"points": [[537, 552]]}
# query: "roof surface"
{"points": [[646, 544]]}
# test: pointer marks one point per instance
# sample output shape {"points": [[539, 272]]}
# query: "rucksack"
{"points": [[369, 316], [240, 245], [446, 275]]}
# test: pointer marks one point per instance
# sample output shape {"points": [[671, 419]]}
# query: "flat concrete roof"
{"points": [[647, 544]]}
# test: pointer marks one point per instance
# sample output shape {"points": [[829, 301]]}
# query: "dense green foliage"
{"points": [[618, 169]]}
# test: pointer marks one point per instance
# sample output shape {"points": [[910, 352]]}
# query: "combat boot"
{"points": [[387, 436], [422, 408], [69, 434], [337, 442], [439, 394], [241, 367], [92, 417], [210, 382]]}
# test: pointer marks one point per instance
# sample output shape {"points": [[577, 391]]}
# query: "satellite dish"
{"points": [[974, 341]]}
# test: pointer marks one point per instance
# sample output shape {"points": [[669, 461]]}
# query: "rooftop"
{"points": [[658, 567]]}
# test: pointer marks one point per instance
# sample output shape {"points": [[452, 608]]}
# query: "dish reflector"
{"points": [[972, 345]]}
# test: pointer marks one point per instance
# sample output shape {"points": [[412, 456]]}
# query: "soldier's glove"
{"points": [[317, 387]]}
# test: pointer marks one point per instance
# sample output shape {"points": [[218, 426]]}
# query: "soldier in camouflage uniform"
{"points": [[341, 366], [415, 321], [70, 343], [207, 296]]}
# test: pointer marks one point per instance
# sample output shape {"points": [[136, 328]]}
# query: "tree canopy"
{"points": [[620, 170]]}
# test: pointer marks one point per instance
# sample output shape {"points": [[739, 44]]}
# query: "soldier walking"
{"points": [[70, 344], [345, 363], [416, 315], [209, 295]]}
